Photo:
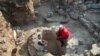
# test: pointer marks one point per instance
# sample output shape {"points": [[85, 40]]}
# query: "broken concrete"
{"points": [[95, 50], [7, 43], [53, 46], [50, 14]]}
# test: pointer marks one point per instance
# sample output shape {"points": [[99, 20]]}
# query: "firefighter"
{"points": [[63, 35]]}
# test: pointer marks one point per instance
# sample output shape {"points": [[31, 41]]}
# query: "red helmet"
{"points": [[63, 32]]}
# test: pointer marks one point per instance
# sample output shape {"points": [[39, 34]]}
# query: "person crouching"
{"points": [[63, 35]]}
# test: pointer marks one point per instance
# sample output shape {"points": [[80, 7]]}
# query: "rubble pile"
{"points": [[87, 12], [49, 37], [41, 19], [7, 43], [18, 11]]}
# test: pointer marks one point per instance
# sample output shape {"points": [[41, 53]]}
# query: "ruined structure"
{"points": [[21, 21]]}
